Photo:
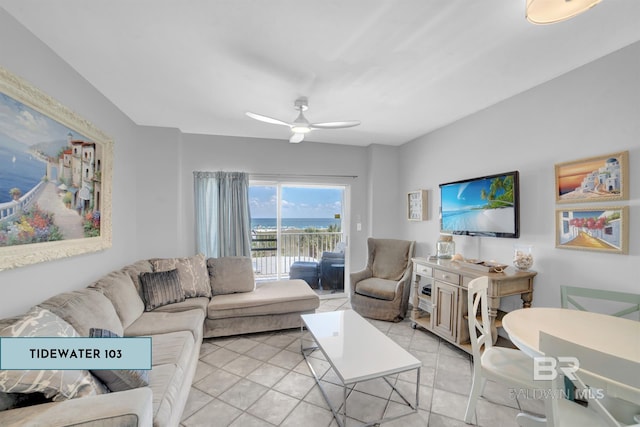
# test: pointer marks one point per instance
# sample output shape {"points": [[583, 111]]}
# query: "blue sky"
{"points": [[297, 202], [25, 125], [464, 196]]}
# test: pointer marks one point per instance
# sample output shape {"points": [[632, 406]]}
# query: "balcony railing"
{"points": [[273, 259]]}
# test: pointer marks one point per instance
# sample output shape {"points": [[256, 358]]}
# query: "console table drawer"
{"points": [[445, 276], [423, 270], [466, 280]]}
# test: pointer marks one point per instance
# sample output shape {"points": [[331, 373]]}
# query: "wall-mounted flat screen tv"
{"points": [[483, 206]]}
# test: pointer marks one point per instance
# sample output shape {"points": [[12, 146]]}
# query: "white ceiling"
{"points": [[401, 67]]}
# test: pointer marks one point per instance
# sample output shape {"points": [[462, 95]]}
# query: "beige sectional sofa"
{"points": [[223, 300]]}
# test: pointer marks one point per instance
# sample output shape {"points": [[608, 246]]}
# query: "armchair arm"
{"points": [[358, 276], [124, 408], [403, 287]]}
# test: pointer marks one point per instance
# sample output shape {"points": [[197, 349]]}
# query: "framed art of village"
{"points": [[55, 178]]}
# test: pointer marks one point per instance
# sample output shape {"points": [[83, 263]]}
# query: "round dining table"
{"points": [[608, 334]]}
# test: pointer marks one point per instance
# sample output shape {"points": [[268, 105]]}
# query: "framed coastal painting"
{"points": [[603, 229], [55, 178], [595, 179]]}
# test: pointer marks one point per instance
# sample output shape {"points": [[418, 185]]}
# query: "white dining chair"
{"points": [[504, 365], [606, 375]]}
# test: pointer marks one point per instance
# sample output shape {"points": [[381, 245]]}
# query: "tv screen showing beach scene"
{"points": [[484, 206]]}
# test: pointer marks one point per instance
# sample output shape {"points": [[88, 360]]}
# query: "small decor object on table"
{"points": [[445, 246], [523, 257], [417, 205]]}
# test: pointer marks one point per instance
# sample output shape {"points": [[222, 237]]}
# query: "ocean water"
{"points": [[293, 223], [25, 173], [480, 220]]}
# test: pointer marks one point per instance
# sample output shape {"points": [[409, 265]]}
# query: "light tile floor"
{"points": [[263, 380]]}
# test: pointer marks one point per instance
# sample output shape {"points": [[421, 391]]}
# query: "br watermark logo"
{"points": [[547, 369]]}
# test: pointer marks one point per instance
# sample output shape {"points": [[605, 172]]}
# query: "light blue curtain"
{"points": [[223, 222]]}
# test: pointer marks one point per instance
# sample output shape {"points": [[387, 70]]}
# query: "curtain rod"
{"points": [[285, 175]]}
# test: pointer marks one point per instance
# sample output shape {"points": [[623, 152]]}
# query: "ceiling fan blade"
{"points": [[335, 125], [267, 119], [296, 137]]}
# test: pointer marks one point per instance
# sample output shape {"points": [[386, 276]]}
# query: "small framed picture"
{"points": [[595, 179], [603, 229], [417, 205]]}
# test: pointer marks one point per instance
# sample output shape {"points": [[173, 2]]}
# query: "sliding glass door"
{"points": [[298, 232]]}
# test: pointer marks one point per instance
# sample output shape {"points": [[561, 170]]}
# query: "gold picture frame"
{"points": [[603, 229], [55, 194], [594, 179], [417, 205]]}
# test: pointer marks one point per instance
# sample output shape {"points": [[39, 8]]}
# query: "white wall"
{"points": [[591, 111], [159, 199], [24, 55], [386, 203]]}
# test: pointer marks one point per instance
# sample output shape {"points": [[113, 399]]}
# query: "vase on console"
{"points": [[523, 257]]}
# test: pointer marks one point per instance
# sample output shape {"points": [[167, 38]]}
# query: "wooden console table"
{"points": [[444, 312]]}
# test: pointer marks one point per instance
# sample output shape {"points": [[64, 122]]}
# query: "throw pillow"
{"points": [[56, 384], [161, 288], [194, 277], [118, 379], [230, 275], [20, 400]]}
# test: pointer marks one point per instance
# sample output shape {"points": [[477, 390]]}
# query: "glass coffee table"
{"points": [[357, 351]]}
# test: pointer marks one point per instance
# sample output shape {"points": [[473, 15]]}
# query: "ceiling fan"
{"points": [[301, 126]]}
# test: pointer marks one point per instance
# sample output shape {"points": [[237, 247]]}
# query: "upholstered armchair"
{"points": [[381, 290]]}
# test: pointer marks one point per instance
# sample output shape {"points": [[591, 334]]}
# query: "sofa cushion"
{"points": [[155, 322], [282, 296], [172, 348], [377, 288], [85, 309], [121, 291], [194, 277], [118, 379], [231, 274], [165, 382], [188, 304], [134, 270], [56, 384], [161, 288]]}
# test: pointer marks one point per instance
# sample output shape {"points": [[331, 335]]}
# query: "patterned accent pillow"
{"points": [[194, 277], [118, 379], [56, 384], [161, 288]]}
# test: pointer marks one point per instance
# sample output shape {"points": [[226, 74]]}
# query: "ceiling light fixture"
{"points": [[552, 11], [301, 124]]}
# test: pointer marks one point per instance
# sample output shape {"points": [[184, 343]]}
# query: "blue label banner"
{"points": [[75, 353]]}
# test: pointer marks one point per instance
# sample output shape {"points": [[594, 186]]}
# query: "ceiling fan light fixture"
{"points": [[301, 126], [552, 11], [300, 129]]}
